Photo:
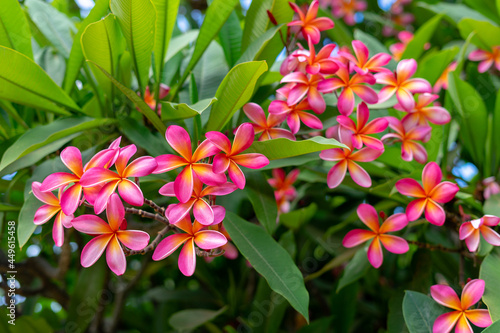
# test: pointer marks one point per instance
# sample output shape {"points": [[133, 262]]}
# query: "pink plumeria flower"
{"points": [[306, 86], [471, 294], [491, 187], [377, 234], [320, 63], [266, 126], [401, 84], [471, 231], [204, 239], [433, 192], [401, 20], [296, 61], [350, 86], [486, 58], [347, 8], [72, 159], [295, 114], [202, 210], [362, 63], [284, 189], [129, 191], [230, 157], [409, 135], [46, 212], [310, 25], [363, 128], [424, 112], [398, 49], [150, 99], [178, 138], [442, 82], [109, 237], [347, 158]]}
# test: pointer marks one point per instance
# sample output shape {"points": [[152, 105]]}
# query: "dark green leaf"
{"points": [[355, 269], [261, 195], [144, 138], [26, 227], [432, 66], [259, 45], [489, 272], [192, 318], [230, 38], [420, 312], [296, 218]]}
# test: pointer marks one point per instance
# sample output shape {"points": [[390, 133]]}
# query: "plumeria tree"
{"points": [[263, 166]]}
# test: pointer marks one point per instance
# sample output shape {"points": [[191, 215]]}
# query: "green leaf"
{"points": [[137, 20], [230, 39], [489, 272], [234, 91], [180, 42], [103, 43], [495, 147], [422, 36], [209, 72], [420, 312], [143, 137], [431, 67], [215, 17], [14, 28], [26, 227], [41, 136], [132, 96], [4, 207], [270, 260], [75, 60], [255, 49], [261, 196], [173, 111], [30, 324], [486, 7], [256, 22], [192, 318], [296, 218], [357, 267], [454, 12], [340, 33], [284, 148], [24, 82], [54, 25], [473, 117], [487, 34], [493, 328]]}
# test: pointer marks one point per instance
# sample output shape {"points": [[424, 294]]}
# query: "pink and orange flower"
{"points": [[377, 234], [284, 189], [362, 62], [266, 127], [442, 82], [310, 25], [472, 230], [471, 294], [398, 49], [486, 58], [305, 86], [109, 236], [429, 196], [424, 113], [346, 9]]}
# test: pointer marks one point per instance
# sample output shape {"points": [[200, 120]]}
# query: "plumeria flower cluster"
{"points": [[486, 58], [284, 191], [346, 9]]}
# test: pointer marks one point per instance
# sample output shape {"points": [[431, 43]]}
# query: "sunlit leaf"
{"points": [[14, 29]]}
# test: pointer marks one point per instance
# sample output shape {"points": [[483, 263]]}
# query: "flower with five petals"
{"points": [[486, 58], [310, 25], [424, 112], [266, 126], [471, 231], [362, 63]]}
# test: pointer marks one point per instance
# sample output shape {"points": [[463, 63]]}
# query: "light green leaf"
{"points": [[216, 15], [420, 312], [234, 91], [4, 207], [284, 148], [487, 34], [26, 227], [137, 20], [431, 67], [132, 96], [489, 272], [357, 267], [54, 25], [230, 38], [255, 49], [41, 136], [270, 260], [210, 72], [256, 22], [261, 196], [174, 111], [454, 12], [180, 42], [24, 82], [416, 46], [495, 138], [103, 43], [493, 328], [192, 318], [296, 218], [14, 29], [75, 60], [486, 7]]}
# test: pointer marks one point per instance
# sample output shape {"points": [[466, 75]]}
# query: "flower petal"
{"points": [[410, 187], [431, 176], [243, 138], [94, 249], [336, 174], [479, 317], [131, 193], [140, 167], [203, 212], [97, 176], [57, 180], [123, 157], [207, 176], [252, 161], [102, 198], [446, 296], [219, 140], [133, 239], [490, 235], [445, 322], [255, 113], [45, 197], [91, 225], [70, 199], [179, 140], [368, 215], [434, 213], [358, 174], [394, 222], [209, 239], [375, 254], [72, 159], [115, 212], [115, 257], [472, 241], [406, 68], [357, 236], [183, 184], [204, 150], [169, 162], [45, 213], [444, 192], [463, 325], [236, 175], [220, 163], [187, 258], [394, 244], [472, 293], [179, 211], [169, 244], [415, 209]]}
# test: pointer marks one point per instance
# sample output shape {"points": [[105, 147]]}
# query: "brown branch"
{"points": [[148, 215], [153, 244], [211, 253], [433, 247], [160, 210]]}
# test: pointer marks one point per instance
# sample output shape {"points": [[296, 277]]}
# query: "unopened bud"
{"points": [[272, 18]]}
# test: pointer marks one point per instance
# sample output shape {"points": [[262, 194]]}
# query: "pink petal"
{"points": [[346, 101], [478, 55], [472, 293], [218, 190], [347, 122], [179, 140], [58, 230], [394, 222], [133, 239], [316, 100], [72, 158], [220, 163], [204, 150], [418, 86], [140, 167], [386, 93], [278, 107], [183, 185], [187, 258], [444, 192], [368, 215], [329, 85], [115, 212], [472, 241], [431, 176], [405, 99], [57, 180], [236, 175], [209, 239], [167, 190], [168, 245], [252, 161], [243, 138], [91, 225], [219, 214], [94, 249], [281, 133], [372, 143], [360, 50], [410, 187], [466, 229], [45, 197], [357, 236], [367, 94], [484, 65], [310, 120], [179, 211], [70, 199], [479, 317], [376, 126], [296, 77], [311, 32], [434, 213], [219, 140], [446, 296], [255, 113], [169, 162], [45, 213], [334, 154], [336, 174], [90, 193], [394, 244], [366, 155], [445, 322], [490, 235], [415, 209], [203, 212], [131, 193], [297, 93], [115, 257], [375, 255], [406, 68], [96, 176], [102, 198], [207, 176], [123, 157], [491, 220]]}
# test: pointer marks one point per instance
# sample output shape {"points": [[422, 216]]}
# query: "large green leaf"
{"points": [[24, 82], [261, 195], [258, 46], [180, 42], [270, 260], [486, 7], [192, 318], [30, 324], [26, 227], [489, 272], [174, 111], [487, 34], [495, 139], [431, 67], [473, 117], [234, 91], [14, 29], [137, 20], [357, 267], [41, 136], [296, 218], [75, 60], [216, 15], [230, 38], [284, 148], [420, 312], [103, 43], [493, 328], [422, 36], [142, 136], [132, 96], [54, 25], [453, 11]]}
